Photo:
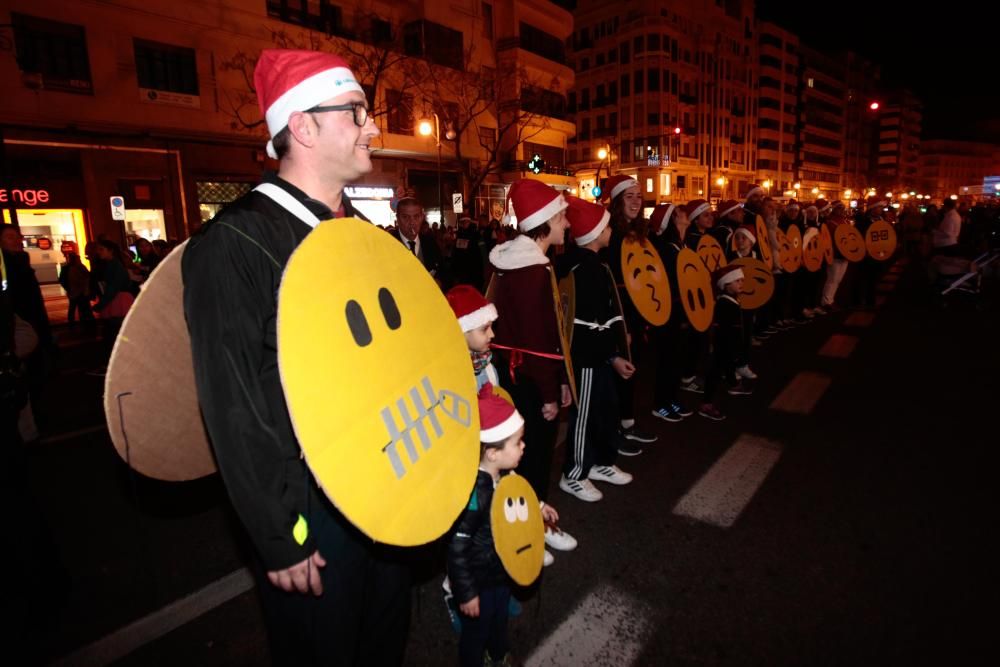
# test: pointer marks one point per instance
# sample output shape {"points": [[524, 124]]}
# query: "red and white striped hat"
{"points": [[498, 419], [288, 81]]}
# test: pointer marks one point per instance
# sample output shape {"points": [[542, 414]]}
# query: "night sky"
{"points": [[949, 59]]}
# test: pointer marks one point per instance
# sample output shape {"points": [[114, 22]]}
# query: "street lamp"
{"points": [[427, 129], [767, 186], [721, 182]]}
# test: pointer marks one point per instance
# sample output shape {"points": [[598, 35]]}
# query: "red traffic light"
{"points": [[874, 106]]}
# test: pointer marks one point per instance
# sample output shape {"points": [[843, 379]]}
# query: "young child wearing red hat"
{"points": [[478, 579], [727, 334]]}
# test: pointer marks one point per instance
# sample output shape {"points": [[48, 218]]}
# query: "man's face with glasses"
{"points": [[345, 132]]}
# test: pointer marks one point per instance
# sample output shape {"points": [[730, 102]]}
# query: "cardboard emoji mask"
{"points": [[826, 243], [791, 249], [375, 373], [763, 241], [518, 530], [850, 242], [149, 389], [711, 253], [880, 240], [694, 282], [646, 280], [758, 283], [812, 253]]}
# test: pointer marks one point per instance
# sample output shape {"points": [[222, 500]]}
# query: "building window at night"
{"points": [[400, 115], [55, 51], [214, 195], [437, 43], [165, 67], [487, 20], [542, 43], [329, 20]]}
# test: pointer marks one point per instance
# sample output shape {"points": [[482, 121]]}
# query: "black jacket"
{"points": [[429, 251], [728, 328], [473, 563], [232, 270], [595, 303]]}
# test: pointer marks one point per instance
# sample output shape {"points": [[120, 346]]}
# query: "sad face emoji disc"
{"points": [[518, 530], [375, 373]]}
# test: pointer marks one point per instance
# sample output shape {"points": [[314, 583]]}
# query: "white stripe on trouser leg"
{"points": [[580, 433], [834, 276]]}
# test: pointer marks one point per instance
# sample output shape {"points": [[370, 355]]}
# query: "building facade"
{"points": [[777, 115], [899, 127], [960, 168]]}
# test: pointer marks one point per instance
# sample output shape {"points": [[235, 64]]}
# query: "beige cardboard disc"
{"points": [[567, 304], [158, 430], [763, 241], [850, 242], [711, 252], [518, 529], [880, 239], [646, 280], [826, 243], [694, 283], [375, 373], [791, 251], [758, 283]]}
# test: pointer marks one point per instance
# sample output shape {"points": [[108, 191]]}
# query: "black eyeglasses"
{"points": [[360, 110]]}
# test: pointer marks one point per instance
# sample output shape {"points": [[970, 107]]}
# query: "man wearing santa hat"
{"points": [[330, 595]]}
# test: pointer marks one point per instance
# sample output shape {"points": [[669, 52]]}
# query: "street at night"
{"points": [[865, 543]]}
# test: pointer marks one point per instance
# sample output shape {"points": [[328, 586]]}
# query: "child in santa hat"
{"points": [[480, 584], [728, 332]]}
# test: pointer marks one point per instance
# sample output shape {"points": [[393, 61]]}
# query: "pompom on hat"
{"points": [[471, 308], [498, 419], [289, 80]]}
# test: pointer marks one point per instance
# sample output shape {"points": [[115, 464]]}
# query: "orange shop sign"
{"points": [[24, 197]]}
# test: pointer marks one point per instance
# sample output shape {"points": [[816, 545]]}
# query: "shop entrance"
{"points": [[45, 232]]}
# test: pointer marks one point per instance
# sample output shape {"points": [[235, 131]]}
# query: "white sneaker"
{"points": [[582, 489], [559, 540], [548, 559], [745, 373], [610, 474]]}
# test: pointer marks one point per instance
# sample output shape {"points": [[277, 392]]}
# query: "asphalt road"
{"points": [[846, 524]]}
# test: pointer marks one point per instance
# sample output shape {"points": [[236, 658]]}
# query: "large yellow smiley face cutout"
{"points": [[849, 242], [826, 243], [758, 283], [763, 241], [694, 282], [791, 250], [518, 530], [711, 253], [375, 373], [646, 280], [880, 240], [812, 253]]}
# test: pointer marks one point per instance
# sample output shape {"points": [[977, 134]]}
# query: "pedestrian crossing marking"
{"points": [[802, 393], [839, 346], [860, 319]]}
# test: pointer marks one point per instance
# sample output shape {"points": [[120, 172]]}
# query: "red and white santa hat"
{"points": [[747, 231], [822, 205], [728, 206], [586, 219], [726, 275], [696, 207], [875, 201], [498, 419], [471, 308], [616, 185], [288, 81], [660, 217], [809, 234], [533, 203], [754, 189]]}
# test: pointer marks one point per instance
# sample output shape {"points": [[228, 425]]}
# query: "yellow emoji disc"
{"points": [[711, 252], [694, 282], [646, 280], [518, 530], [791, 249], [375, 373], [812, 253], [880, 239], [850, 242], [763, 241], [826, 243], [758, 283]]}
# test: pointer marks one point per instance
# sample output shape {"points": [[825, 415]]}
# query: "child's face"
{"points": [[479, 339], [734, 288], [743, 243], [508, 456]]}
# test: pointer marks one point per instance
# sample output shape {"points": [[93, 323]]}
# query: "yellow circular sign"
{"points": [[376, 376], [880, 239], [826, 243], [694, 282], [812, 253], [850, 242], [758, 283], [763, 241], [711, 252], [518, 530], [646, 280], [791, 249]]}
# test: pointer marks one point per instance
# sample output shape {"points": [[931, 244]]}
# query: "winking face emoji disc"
{"points": [[375, 372]]}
